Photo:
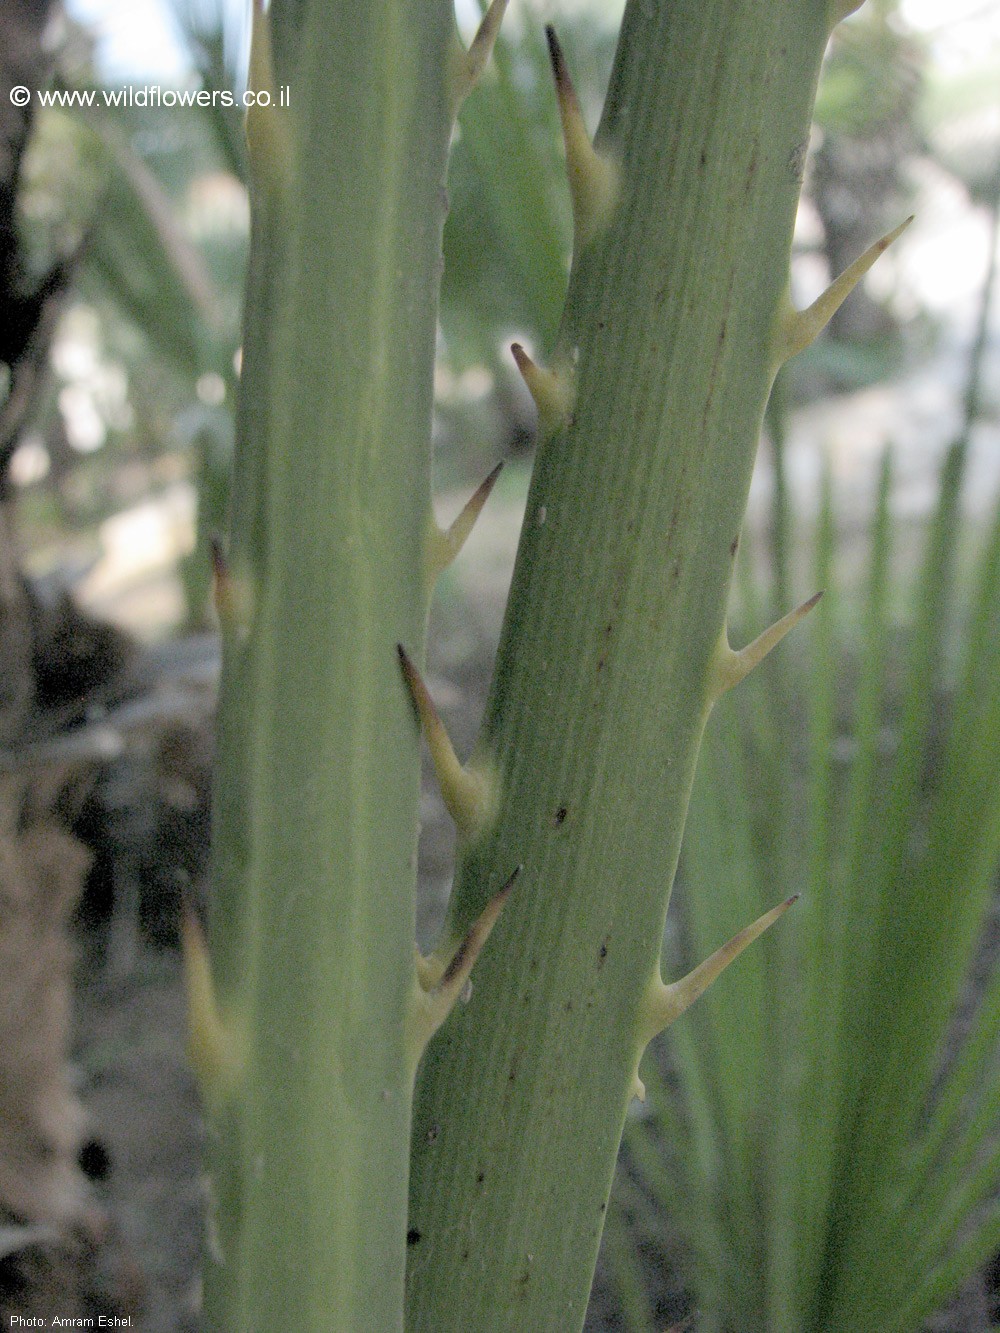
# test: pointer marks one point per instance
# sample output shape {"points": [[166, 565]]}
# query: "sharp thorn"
{"points": [[466, 792], [733, 666], [551, 390], [463, 959], [430, 1007], [665, 1004], [444, 547], [212, 1048], [481, 47], [594, 179], [564, 84], [801, 327], [233, 604], [428, 973], [223, 593], [527, 369]]}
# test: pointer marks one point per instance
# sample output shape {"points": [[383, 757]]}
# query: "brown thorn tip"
{"points": [[220, 566], [482, 491], [223, 586], [445, 546], [478, 933], [560, 70], [521, 358], [555, 53], [410, 675], [886, 241], [466, 793], [667, 1003], [431, 1004], [504, 893], [474, 506]]}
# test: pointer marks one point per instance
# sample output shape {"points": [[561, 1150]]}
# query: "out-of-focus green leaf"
{"points": [[859, 1181], [141, 258]]}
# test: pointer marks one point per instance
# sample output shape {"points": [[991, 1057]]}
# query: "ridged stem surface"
{"points": [[602, 682], [318, 771]]}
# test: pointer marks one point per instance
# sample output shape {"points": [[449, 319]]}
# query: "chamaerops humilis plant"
{"points": [[381, 1155]]}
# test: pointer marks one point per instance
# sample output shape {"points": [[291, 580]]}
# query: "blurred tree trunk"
{"points": [[25, 324], [45, 1219]]}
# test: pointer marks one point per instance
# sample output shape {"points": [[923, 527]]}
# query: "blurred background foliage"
{"points": [[120, 472]]}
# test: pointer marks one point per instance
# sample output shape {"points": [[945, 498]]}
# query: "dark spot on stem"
{"points": [[734, 546], [413, 1236], [480, 1177], [560, 816], [94, 1160]]}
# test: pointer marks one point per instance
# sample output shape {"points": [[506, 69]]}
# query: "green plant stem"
{"points": [[602, 682], [316, 810], [780, 532]]}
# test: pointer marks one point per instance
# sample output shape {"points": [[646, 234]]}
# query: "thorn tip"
{"points": [[472, 62], [558, 61], [799, 328], [467, 792], [212, 1047], [228, 593], [552, 391], [665, 1004], [593, 176], [444, 547], [431, 1005], [733, 666]]}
